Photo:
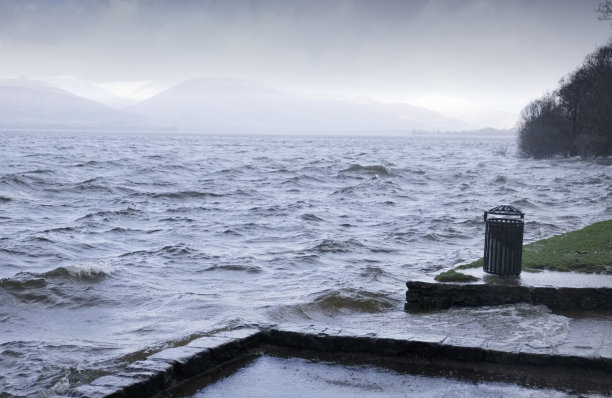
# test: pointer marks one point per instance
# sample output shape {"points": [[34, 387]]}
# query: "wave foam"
{"points": [[85, 271]]}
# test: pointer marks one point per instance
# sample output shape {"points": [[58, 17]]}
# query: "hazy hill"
{"points": [[229, 105], [26, 103], [209, 106], [85, 89]]}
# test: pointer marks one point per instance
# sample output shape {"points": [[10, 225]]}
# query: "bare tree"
{"points": [[575, 119], [543, 130], [605, 10]]}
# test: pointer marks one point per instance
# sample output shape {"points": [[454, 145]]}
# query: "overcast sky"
{"points": [[453, 55]]}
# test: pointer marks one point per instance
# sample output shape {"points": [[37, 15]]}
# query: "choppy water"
{"points": [[115, 246]]}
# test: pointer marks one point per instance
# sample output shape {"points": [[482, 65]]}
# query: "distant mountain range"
{"points": [[30, 104], [208, 105]]}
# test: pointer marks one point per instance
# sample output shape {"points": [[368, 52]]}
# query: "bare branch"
{"points": [[605, 10]]}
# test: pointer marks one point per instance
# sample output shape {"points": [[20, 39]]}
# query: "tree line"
{"points": [[576, 118]]}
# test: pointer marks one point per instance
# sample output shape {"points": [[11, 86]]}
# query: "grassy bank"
{"points": [[588, 250]]}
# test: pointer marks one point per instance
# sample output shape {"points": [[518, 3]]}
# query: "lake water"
{"points": [[114, 246]]}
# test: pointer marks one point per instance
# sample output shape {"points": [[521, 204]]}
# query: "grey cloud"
{"points": [[47, 22]]}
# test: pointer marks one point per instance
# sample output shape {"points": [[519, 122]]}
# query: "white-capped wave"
{"points": [[84, 271]]}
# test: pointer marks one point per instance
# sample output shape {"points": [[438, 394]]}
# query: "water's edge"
{"points": [[543, 367]]}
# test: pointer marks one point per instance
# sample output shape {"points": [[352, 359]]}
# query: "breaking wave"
{"points": [[61, 287], [336, 246], [84, 272], [338, 302], [377, 170]]}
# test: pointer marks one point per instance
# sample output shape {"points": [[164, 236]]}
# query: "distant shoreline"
{"points": [[486, 132]]}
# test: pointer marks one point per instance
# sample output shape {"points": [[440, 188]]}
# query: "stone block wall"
{"points": [[430, 295]]}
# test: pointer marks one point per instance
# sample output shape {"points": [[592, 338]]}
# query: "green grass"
{"points": [[454, 276], [588, 250]]}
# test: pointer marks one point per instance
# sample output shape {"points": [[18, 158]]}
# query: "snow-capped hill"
{"points": [[211, 105], [232, 105], [85, 89], [27, 103], [29, 83]]}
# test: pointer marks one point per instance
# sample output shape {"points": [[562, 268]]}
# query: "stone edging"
{"points": [[427, 295], [171, 367]]}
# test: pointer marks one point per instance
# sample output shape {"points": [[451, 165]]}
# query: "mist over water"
{"points": [[115, 246]]}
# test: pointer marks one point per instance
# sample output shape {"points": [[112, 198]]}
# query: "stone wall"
{"points": [[429, 295]]}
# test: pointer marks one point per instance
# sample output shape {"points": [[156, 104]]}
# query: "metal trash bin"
{"points": [[503, 250]]}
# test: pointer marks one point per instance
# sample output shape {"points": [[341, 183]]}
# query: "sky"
{"points": [[478, 60]]}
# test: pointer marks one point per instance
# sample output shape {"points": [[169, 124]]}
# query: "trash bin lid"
{"points": [[506, 210]]}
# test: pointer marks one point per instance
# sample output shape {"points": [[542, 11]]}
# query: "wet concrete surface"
{"points": [[269, 376], [438, 365], [542, 279], [313, 358]]}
